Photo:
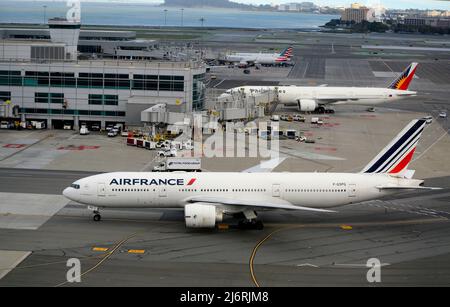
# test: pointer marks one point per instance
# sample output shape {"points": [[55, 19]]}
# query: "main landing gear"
{"points": [[251, 225], [96, 217], [250, 221]]}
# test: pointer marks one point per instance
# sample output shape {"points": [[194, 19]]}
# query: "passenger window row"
{"points": [[315, 190], [134, 190], [223, 190]]}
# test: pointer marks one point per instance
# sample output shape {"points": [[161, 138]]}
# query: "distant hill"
{"points": [[207, 3]]}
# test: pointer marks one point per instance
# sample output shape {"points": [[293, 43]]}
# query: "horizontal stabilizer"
{"points": [[407, 188]]}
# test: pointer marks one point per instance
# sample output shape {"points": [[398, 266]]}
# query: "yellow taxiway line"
{"points": [[331, 225]]}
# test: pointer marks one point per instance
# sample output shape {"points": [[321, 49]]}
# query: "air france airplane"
{"points": [[208, 197], [311, 98]]}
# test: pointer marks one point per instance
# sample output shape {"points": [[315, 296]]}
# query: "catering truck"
{"points": [[179, 165]]}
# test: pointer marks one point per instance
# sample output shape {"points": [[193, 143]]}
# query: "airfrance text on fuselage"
{"points": [[147, 182]]}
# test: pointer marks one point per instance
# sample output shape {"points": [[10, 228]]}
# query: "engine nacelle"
{"points": [[307, 105], [202, 215]]}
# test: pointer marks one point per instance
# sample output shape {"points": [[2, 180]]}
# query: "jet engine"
{"points": [[307, 105], [202, 215]]}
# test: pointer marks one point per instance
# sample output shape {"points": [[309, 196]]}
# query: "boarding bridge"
{"points": [[6, 110], [241, 106]]}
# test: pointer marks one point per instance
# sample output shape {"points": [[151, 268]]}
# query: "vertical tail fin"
{"points": [[404, 80], [287, 52], [395, 158]]}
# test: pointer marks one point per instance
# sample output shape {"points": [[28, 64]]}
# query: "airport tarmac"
{"points": [[152, 247], [409, 234]]}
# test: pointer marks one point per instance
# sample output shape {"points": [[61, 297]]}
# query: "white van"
{"points": [[4, 125], [275, 118], [84, 130]]}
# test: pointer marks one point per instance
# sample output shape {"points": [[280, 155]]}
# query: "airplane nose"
{"points": [[71, 194]]}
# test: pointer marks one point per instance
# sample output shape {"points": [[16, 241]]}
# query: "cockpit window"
{"points": [[75, 186]]}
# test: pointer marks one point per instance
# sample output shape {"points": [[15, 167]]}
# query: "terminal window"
{"points": [[155, 83], [109, 100], [11, 78], [5, 96], [47, 53], [57, 98]]}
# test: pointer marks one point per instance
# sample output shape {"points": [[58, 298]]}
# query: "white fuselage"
{"points": [[257, 58], [290, 95], [172, 190]]}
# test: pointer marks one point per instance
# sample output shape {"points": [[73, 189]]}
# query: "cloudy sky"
{"points": [[422, 4]]}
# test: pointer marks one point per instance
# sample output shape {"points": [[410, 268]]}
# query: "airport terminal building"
{"points": [[45, 80]]}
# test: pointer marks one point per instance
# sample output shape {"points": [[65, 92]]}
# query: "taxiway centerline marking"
{"points": [[106, 257]]}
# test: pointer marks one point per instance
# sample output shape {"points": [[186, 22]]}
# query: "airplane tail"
{"points": [[404, 80], [395, 158], [288, 52]]}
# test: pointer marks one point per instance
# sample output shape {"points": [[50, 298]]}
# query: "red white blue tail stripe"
{"points": [[287, 53], [396, 157]]}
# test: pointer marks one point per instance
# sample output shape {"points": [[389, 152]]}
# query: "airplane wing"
{"points": [[254, 204], [265, 166]]}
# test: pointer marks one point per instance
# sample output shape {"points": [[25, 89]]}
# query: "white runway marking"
{"points": [[9, 260], [28, 211]]}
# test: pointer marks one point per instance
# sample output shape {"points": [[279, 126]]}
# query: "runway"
{"points": [[37, 181]]}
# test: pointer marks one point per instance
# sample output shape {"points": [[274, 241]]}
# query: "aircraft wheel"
{"points": [[251, 225], [259, 225], [97, 217]]}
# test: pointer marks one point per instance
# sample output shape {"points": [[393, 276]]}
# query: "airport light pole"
{"points": [[182, 17], [202, 20], [165, 17], [45, 14]]}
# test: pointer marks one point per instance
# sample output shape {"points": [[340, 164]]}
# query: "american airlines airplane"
{"points": [[309, 98], [208, 197], [261, 58]]}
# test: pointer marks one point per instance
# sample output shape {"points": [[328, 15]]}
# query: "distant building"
{"points": [[121, 44], [356, 13], [436, 22], [298, 7], [45, 80], [433, 13], [414, 21], [437, 13]]}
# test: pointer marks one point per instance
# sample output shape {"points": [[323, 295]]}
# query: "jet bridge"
{"points": [[239, 105]]}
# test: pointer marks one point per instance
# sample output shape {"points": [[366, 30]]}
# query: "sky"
{"points": [[420, 4]]}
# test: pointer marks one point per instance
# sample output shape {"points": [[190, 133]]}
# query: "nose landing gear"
{"points": [[97, 217]]}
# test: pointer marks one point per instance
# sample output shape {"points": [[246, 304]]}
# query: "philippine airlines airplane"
{"points": [[308, 98], [261, 58], [207, 197]]}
